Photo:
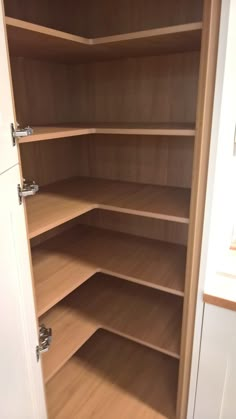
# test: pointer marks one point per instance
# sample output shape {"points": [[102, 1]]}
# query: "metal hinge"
{"points": [[17, 132], [45, 339], [29, 188]]}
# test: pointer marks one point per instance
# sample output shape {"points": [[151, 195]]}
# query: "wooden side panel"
{"points": [[42, 92], [51, 161], [200, 168]]}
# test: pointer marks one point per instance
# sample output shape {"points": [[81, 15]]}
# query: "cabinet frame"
{"points": [[209, 50], [200, 167]]}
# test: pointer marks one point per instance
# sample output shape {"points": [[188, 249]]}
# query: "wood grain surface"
{"points": [[38, 42], [74, 130], [63, 201], [144, 159], [137, 91], [118, 377], [63, 263], [114, 305], [109, 17]]}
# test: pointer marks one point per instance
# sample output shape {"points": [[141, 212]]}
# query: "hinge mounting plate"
{"points": [[17, 132], [28, 188]]}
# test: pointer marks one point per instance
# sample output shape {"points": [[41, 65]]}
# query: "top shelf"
{"points": [[73, 130], [35, 41]]}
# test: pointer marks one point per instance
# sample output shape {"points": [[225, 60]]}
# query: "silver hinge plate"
{"points": [[17, 132], [45, 339], [29, 188]]}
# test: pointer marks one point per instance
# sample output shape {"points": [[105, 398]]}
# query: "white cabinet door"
{"points": [[216, 388], [8, 153], [21, 384]]}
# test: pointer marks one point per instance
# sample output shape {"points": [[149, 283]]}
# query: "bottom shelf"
{"points": [[144, 315], [111, 377]]}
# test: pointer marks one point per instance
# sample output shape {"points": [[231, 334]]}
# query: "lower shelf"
{"points": [[62, 201], [146, 316], [111, 377], [63, 263]]}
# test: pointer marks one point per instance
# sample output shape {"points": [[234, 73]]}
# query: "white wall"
{"points": [[215, 397]]}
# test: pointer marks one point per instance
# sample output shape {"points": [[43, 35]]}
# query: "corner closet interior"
{"points": [[110, 89]]}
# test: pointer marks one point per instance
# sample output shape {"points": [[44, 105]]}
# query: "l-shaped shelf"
{"points": [[117, 306], [64, 262], [118, 376], [62, 201], [73, 130], [35, 41]]}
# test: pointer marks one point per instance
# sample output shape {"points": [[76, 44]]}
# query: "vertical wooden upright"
{"points": [[211, 20]]}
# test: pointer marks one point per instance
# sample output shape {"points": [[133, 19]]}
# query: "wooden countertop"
{"points": [[222, 290]]}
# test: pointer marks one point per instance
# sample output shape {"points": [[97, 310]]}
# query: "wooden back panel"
{"points": [[141, 159], [143, 90], [44, 12], [125, 223], [153, 89], [106, 17], [137, 226]]}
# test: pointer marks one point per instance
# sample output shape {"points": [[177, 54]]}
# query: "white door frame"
{"points": [[8, 153], [216, 223], [21, 383]]}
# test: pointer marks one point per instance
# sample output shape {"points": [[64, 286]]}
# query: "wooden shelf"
{"points": [[35, 41], [118, 376], [63, 263], [62, 201], [117, 306], [73, 130], [56, 132]]}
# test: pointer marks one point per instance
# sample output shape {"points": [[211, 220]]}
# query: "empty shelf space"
{"points": [[63, 263], [62, 201], [35, 41], [118, 376], [117, 306], [73, 130]]}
